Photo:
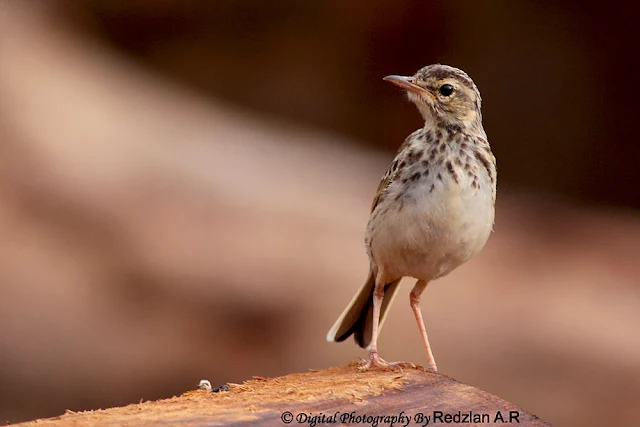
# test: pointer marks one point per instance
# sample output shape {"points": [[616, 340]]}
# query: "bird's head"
{"points": [[443, 94]]}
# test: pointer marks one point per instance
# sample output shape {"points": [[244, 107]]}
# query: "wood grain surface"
{"points": [[340, 395]]}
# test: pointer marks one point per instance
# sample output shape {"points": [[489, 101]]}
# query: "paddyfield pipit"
{"points": [[434, 207]]}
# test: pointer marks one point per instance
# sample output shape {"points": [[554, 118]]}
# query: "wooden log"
{"points": [[340, 395]]}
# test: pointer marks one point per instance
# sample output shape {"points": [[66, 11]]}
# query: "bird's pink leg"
{"points": [[414, 298], [374, 358]]}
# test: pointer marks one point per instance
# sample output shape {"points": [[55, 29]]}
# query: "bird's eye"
{"points": [[446, 90]]}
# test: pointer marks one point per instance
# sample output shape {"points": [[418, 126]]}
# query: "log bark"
{"points": [[340, 395]]}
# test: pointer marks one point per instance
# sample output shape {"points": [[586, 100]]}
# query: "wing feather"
{"points": [[389, 175]]}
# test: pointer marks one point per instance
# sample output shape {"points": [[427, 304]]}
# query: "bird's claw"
{"points": [[377, 361]]}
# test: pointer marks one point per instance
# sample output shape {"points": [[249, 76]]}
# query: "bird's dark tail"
{"points": [[357, 318]]}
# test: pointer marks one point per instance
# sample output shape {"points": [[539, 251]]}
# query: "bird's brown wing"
{"points": [[388, 176]]}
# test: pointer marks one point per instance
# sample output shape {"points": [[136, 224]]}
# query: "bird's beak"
{"points": [[408, 84]]}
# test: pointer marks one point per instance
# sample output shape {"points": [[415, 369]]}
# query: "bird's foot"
{"points": [[377, 361], [431, 367]]}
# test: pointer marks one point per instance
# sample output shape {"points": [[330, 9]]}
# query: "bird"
{"points": [[434, 208]]}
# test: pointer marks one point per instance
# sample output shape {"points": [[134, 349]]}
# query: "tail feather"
{"points": [[357, 318]]}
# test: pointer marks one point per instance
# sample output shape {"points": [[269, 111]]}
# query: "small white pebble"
{"points": [[205, 385]]}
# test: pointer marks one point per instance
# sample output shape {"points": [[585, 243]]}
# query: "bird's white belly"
{"points": [[427, 232]]}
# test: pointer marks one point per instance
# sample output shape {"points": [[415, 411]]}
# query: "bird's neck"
{"points": [[430, 120], [471, 127]]}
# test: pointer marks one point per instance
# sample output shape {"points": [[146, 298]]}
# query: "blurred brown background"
{"points": [[185, 185]]}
